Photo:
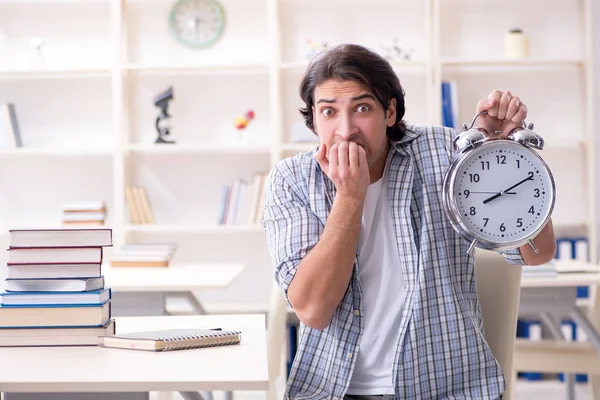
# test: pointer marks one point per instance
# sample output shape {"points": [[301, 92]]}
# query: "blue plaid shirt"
{"points": [[441, 353]]}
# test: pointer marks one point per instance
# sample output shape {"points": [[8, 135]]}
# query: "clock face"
{"points": [[503, 191], [197, 23]]}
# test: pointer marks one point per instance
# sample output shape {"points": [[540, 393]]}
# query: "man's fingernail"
{"points": [[489, 101]]}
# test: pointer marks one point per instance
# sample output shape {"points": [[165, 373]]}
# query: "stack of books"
{"points": [[144, 255], [55, 294], [86, 213]]}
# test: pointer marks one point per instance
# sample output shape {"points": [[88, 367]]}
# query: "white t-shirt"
{"points": [[382, 287]]}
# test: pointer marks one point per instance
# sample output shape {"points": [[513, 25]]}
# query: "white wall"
{"points": [[596, 48]]}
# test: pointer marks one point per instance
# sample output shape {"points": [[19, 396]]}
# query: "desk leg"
{"points": [[138, 304], [556, 332], [594, 316], [586, 325], [189, 297]]}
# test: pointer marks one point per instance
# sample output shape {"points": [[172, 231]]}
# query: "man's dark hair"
{"points": [[350, 62]]}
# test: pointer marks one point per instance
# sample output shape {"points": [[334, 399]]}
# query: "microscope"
{"points": [[162, 101]]}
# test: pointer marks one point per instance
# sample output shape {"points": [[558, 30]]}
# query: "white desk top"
{"points": [[562, 279], [97, 369], [176, 278], [585, 274]]}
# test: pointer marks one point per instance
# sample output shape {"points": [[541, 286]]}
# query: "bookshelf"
{"points": [[87, 115]]}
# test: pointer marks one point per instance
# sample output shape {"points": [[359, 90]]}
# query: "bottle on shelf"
{"points": [[516, 44]]}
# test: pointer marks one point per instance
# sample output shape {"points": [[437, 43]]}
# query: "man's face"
{"points": [[347, 111]]}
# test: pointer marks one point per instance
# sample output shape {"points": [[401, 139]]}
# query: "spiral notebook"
{"points": [[174, 339]]}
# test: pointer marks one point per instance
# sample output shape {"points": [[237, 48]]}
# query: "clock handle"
{"points": [[533, 246], [466, 128], [472, 247]]}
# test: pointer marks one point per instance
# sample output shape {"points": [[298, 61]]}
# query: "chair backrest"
{"points": [[499, 290], [276, 340]]}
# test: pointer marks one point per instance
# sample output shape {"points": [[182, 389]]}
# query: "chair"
{"points": [[499, 291], [276, 342]]}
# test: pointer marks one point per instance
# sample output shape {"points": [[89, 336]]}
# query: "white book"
{"points": [[232, 201], [55, 298], [83, 216], [84, 206], [42, 271], [257, 183], [60, 237], [51, 255], [54, 285]]}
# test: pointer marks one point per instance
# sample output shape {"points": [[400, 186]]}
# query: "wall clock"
{"points": [[197, 24]]}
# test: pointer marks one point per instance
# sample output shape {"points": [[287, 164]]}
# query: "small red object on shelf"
{"points": [[242, 121]]}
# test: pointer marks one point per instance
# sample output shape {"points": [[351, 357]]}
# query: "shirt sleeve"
{"points": [[513, 256], [292, 228]]}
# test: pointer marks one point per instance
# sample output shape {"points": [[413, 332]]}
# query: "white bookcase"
{"points": [[87, 116]]}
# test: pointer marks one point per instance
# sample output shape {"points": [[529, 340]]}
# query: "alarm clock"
{"points": [[197, 24], [498, 193]]}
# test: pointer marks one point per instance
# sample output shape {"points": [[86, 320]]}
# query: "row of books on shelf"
{"points": [[138, 205], [45, 303], [572, 256], [532, 329], [242, 201]]}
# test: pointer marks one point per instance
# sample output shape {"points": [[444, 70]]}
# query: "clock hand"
{"points": [[492, 192], [529, 178]]}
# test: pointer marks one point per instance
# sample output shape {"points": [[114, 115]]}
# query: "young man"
{"points": [[381, 282]]}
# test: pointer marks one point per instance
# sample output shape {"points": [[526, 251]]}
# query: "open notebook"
{"points": [[174, 339]]}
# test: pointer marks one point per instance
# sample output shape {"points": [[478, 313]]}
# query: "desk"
{"points": [[139, 291], [552, 297], [96, 369]]}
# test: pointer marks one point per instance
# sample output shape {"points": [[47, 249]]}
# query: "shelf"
{"points": [[563, 144], [52, 2], [55, 73], [300, 66], [302, 147], [520, 63], [197, 149], [54, 152], [164, 228], [224, 69]]}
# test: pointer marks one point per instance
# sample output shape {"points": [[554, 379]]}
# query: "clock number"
{"points": [[501, 159], [472, 211], [518, 163], [474, 177], [536, 192], [467, 193], [486, 222], [531, 210], [519, 222], [502, 227], [485, 165], [530, 175]]}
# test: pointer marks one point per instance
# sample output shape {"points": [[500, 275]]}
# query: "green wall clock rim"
{"points": [[203, 45]]}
